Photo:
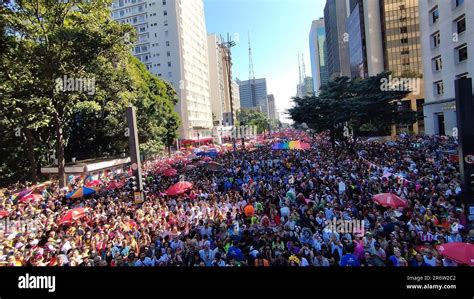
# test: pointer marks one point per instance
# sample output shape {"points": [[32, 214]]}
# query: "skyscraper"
{"points": [[389, 41], [402, 51], [172, 43], [337, 38], [317, 50], [253, 95], [272, 111], [447, 39], [219, 80], [356, 31]]}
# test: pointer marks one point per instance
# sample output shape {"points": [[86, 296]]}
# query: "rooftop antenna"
{"points": [[304, 68], [251, 76], [251, 72], [299, 68]]}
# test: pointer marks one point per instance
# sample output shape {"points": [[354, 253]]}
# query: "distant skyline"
{"points": [[279, 30]]}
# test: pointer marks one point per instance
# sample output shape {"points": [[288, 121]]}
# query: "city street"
{"points": [[267, 204]]}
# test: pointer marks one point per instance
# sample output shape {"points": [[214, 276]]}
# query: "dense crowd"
{"points": [[292, 192]]}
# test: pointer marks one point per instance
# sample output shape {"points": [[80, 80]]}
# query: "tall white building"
{"points": [[223, 101], [172, 43], [272, 110], [447, 39], [317, 52]]}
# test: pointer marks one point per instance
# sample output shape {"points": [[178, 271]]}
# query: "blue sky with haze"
{"points": [[278, 30]]}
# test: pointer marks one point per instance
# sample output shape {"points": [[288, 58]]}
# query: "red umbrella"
{"points": [[114, 185], [3, 213], [170, 172], [72, 216], [31, 198], [94, 183], [179, 188], [390, 200], [462, 253]]}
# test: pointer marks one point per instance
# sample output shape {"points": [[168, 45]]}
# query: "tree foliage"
{"points": [[45, 41], [250, 117], [357, 104]]}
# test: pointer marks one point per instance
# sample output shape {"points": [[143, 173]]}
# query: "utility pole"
{"points": [[135, 153]]}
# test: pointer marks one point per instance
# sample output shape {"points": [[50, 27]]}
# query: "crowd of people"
{"points": [[293, 195]]}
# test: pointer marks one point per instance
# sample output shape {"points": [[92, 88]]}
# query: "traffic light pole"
{"points": [[464, 113], [134, 151]]}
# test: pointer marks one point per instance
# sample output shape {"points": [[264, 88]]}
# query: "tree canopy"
{"points": [[354, 104], [250, 117], [46, 45]]}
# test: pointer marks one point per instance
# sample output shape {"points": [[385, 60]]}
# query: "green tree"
{"points": [[43, 41], [250, 117], [352, 103]]}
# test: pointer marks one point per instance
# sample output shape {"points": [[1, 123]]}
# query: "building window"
{"points": [[170, 74], [462, 53], [434, 15], [168, 53], [436, 38], [438, 88], [437, 63], [169, 63], [405, 51], [167, 43], [404, 40], [404, 29], [165, 22], [463, 75], [166, 33], [458, 2], [461, 25], [165, 13], [164, 2]]}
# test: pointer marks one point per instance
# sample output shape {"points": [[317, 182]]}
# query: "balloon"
{"points": [[249, 210]]}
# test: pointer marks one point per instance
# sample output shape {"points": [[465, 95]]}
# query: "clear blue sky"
{"points": [[278, 30]]}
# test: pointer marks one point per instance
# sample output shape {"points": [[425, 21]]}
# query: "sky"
{"points": [[279, 30]]}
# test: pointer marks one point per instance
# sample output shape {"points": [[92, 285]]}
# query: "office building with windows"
{"points": [[172, 43], [220, 74], [317, 51], [447, 40], [253, 95], [337, 38]]}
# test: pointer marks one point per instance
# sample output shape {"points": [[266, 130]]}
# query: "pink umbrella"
{"points": [[31, 198], [390, 200], [462, 253], [170, 172], [179, 188], [94, 183], [114, 185], [73, 215]]}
